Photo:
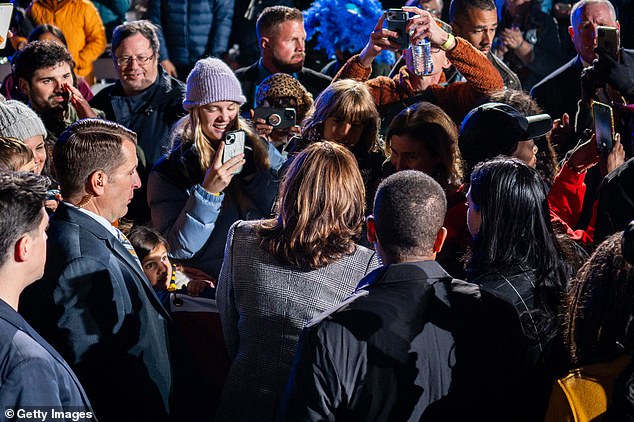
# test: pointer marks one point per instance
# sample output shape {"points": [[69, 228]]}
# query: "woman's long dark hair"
{"points": [[515, 231]]}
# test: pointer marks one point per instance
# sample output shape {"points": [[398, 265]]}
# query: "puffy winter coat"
{"points": [[80, 22], [191, 29]]}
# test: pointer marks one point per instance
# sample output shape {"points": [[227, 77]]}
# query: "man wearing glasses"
{"points": [[145, 99]]}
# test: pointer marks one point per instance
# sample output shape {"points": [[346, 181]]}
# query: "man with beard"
{"points": [[282, 41], [44, 71], [477, 22]]}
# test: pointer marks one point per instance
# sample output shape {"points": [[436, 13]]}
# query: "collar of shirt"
{"points": [[99, 219]]}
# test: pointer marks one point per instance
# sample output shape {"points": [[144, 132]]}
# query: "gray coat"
{"points": [[263, 307]]}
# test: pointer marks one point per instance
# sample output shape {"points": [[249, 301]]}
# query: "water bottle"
{"points": [[421, 57]]}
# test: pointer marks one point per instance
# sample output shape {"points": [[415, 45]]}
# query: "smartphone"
{"points": [[279, 118], [608, 39], [397, 21], [603, 127], [234, 145], [6, 10]]}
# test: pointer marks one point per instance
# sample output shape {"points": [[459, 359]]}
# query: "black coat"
{"points": [[411, 344], [313, 81], [150, 114]]}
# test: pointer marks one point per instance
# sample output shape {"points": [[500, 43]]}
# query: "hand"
{"points": [[619, 75], [169, 68], [512, 38], [79, 102], [261, 127], [590, 82], [615, 158], [379, 41], [562, 133], [584, 156], [218, 175], [423, 25], [196, 287]]}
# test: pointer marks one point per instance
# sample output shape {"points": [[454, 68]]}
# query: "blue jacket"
{"points": [[95, 305], [191, 29], [32, 373], [112, 10], [194, 221]]}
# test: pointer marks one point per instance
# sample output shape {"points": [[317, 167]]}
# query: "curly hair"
{"points": [[599, 305], [320, 208], [39, 55]]}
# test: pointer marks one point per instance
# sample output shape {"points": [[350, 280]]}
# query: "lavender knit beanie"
{"points": [[211, 80]]}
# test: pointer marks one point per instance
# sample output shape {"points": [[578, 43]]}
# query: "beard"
{"points": [[287, 67]]}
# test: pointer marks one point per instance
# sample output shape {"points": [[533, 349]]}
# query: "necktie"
{"points": [[125, 242]]}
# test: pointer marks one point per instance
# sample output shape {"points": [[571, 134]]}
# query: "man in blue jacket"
{"points": [[94, 303], [33, 376]]}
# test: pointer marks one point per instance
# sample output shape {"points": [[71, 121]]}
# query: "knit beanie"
{"points": [[284, 85], [211, 80], [18, 120]]}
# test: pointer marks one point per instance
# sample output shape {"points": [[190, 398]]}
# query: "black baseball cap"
{"points": [[495, 128]]}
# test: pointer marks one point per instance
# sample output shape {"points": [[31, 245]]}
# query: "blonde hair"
{"points": [[349, 101], [14, 154], [320, 208], [188, 132]]}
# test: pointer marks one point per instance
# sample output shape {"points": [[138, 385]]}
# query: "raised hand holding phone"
{"points": [[220, 174]]}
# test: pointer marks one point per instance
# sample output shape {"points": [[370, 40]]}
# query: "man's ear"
{"points": [[96, 184], [22, 248], [24, 86], [371, 229], [440, 239], [446, 63], [571, 32], [265, 43]]}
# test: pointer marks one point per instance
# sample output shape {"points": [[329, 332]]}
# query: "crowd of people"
{"points": [[380, 244]]}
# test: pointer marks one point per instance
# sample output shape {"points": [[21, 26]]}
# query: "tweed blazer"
{"points": [[264, 305]]}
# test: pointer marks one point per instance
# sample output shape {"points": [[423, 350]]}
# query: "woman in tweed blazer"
{"points": [[280, 273]]}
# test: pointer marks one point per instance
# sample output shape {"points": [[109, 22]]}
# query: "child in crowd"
{"points": [[165, 277], [15, 155]]}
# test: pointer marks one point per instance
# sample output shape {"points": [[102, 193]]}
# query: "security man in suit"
{"points": [[94, 304]]}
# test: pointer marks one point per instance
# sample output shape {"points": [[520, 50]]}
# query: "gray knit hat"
{"points": [[18, 120], [211, 80]]}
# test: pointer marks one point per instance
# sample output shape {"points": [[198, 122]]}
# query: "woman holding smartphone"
{"points": [[194, 194]]}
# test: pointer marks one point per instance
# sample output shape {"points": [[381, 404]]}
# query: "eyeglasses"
{"points": [[127, 61]]}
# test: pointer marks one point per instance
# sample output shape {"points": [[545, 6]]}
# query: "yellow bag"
{"points": [[584, 394]]}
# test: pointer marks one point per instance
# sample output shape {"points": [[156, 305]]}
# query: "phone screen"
{"points": [[234, 145], [603, 127], [6, 9]]}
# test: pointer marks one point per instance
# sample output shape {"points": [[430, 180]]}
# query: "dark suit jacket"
{"points": [[32, 373], [97, 308], [314, 82], [559, 92]]}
